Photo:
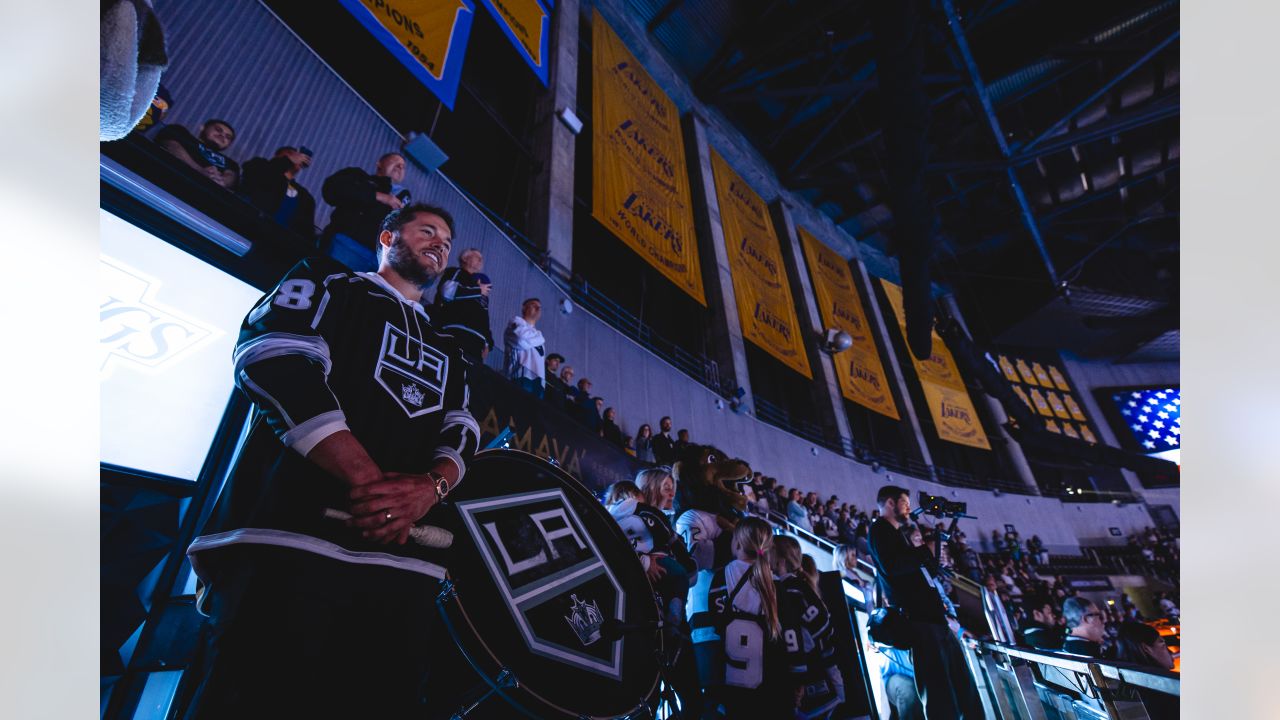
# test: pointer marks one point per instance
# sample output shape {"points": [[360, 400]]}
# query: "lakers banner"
{"points": [[640, 186], [526, 24], [429, 37], [765, 308], [862, 376], [949, 403]]}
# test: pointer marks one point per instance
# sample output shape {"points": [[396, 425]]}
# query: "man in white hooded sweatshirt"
{"points": [[526, 348]]}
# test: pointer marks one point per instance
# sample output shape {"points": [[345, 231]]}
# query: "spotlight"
{"points": [[813, 451], [836, 340], [719, 404], [566, 307]]}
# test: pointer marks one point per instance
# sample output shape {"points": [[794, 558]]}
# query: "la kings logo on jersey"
{"points": [[412, 372]]}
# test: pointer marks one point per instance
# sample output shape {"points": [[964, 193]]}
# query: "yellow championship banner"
{"points": [[429, 37], [862, 376], [949, 403], [765, 307], [640, 186]]}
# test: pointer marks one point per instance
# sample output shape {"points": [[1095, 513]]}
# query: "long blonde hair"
{"points": [[840, 558], [753, 537], [650, 484]]}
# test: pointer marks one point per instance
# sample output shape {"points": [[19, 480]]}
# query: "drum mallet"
{"points": [[424, 535]]}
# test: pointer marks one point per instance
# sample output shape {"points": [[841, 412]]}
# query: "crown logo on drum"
{"points": [[412, 395], [585, 619]]}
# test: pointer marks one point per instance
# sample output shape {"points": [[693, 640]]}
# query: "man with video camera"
{"points": [[907, 575]]}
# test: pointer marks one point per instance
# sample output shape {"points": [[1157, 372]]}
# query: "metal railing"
{"points": [[1021, 684], [700, 368], [780, 418]]}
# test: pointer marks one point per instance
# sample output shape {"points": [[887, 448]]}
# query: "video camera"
{"points": [[940, 507]]}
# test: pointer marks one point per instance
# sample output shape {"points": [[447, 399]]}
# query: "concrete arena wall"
{"points": [[234, 59]]}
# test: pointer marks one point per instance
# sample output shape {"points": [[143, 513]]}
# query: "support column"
{"points": [[727, 343], [1012, 450], [551, 201], [826, 384], [896, 368]]}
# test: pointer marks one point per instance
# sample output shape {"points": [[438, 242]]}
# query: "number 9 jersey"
{"points": [[327, 350]]}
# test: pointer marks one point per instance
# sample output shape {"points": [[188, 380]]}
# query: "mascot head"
{"points": [[708, 479]]}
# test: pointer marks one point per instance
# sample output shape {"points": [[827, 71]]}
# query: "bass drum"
{"points": [[536, 568]]}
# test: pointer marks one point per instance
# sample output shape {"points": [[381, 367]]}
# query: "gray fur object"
{"points": [[131, 58]]}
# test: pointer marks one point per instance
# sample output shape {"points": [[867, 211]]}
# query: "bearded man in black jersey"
{"points": [[319, 600]]}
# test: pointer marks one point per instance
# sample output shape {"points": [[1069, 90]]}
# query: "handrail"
{"points": [[1134, 675]]}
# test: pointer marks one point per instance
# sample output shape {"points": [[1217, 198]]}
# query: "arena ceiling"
{"points": [[1040, 144]]}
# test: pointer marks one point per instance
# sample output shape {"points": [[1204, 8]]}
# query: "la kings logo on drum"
{"points": [[551, 576], [413, 372]]}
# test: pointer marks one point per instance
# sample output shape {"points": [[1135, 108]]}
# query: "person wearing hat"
{"points": [[272, 187]]}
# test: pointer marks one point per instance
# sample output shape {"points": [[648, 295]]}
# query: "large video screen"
{"points": [[167, 325], [1152, 419]]}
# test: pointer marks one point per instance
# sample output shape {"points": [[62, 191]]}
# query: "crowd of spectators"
{"points": [[1160, 552], [360, 199], [1043, 609]]}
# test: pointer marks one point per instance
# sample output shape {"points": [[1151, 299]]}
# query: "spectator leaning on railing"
{"points": [[461, 305], [525, 348], [609, 429], [555, 388], [565, 388], [272, 187], [205, 153], [360, 201]]}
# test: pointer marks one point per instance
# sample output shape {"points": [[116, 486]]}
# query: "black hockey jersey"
{"points": [[810, 652], [728, 627], [330, 349]]}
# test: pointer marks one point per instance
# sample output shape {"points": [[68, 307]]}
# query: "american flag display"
{"points": [[1153, 416]]}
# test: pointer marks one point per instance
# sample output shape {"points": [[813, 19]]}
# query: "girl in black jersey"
{"points": [[743, 603], [811, 675]]}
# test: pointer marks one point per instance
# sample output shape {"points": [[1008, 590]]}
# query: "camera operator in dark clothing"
{"points": [[906, 574]]}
